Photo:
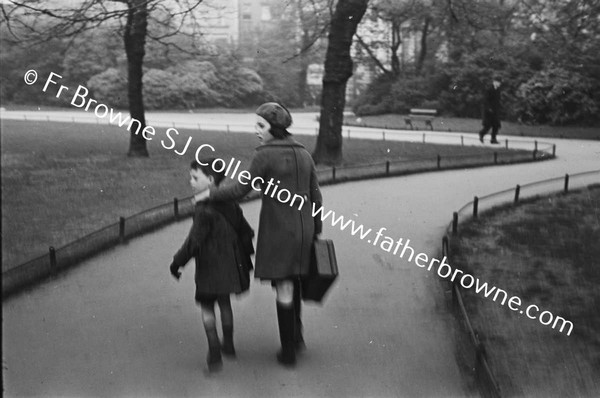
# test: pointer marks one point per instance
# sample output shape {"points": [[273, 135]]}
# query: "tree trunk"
{"points": [[423, 52], [338, 69], [303, 92], [454, 41], [135, 40], [396, 42]]}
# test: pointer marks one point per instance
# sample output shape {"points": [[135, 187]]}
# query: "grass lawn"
{"points": [[474, 125], [547, 252], [61, 181]]}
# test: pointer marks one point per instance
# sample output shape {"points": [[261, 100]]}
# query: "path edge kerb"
{"points": [[483, 373], [24, 276]]}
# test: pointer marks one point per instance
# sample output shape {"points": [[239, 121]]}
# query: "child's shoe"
{"points": [[214, 360]]}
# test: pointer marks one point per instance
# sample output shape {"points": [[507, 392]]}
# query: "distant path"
{"points": [[304, 123], [118, 325]]}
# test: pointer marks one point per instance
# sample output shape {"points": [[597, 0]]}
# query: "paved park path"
{"points": [[119, 325]]}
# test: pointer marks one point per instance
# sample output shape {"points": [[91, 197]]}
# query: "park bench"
{"points": [[425, 115]]}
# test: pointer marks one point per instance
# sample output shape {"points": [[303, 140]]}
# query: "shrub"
{"points": [[389, 95], [188, 85], [558, 96], [375, 99], [195, 83], [110, 88]]}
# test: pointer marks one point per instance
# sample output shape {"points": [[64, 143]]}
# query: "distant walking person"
{"points": [[491, 110], [221, 242], [285, 233]]}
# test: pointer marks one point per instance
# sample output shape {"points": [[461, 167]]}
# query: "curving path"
{"points": [[119, 325]]}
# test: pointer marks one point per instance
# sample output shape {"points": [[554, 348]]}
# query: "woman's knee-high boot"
{"points": [[298, 338], [287, 320]]}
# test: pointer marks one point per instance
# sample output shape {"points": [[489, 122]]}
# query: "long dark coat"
{"points": [[491, 107], [216, 240], [285, 233]]}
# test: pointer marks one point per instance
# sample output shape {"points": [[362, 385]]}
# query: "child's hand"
{"points": [[175, 271]]}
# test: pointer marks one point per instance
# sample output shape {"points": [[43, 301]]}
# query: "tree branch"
{"points": [[373, 57]]}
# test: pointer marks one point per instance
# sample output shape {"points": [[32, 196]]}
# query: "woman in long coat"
{"points": [[286, 233]]}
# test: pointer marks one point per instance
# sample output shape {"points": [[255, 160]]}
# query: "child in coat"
{"points": [[221, 242]]}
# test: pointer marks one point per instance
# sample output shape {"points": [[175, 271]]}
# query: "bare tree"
{"points": [[313, 17], [400, 17], [338, 69], [130, 17]]}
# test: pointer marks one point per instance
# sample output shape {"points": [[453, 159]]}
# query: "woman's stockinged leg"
{"points": [[227, 347], [208, 316], [213, 359], [285, 292], [286, 319]]}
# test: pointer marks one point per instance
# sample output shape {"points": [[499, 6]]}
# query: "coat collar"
{"points": [[287, 141]]}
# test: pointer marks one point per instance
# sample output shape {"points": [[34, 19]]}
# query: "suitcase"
{"points": [[322, 273]]}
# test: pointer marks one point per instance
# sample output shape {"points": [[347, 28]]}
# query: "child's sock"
{"points": [[227, 322]]}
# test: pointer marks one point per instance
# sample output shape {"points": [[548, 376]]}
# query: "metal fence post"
{"points": [[462, 140], [535, 145], [566, 183], [445, 245], [122, 229], [455, 222], [495, 157], [534, 153], [554, 150], [52, 254], [333, 173], [439, 161], [506, 140], [387, 168], [423, 138], [475, 206], [383, 135], [454, 296], [517, 191], [176, 208]]}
